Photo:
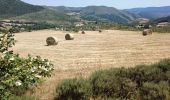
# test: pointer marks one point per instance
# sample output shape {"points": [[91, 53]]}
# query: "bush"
{"points": [[15, 29], [100, 31], [152, 91], [73, 89], [22, 98], [105, 84], [76, 30], [164, 65], [143, 82], [18, 74]]}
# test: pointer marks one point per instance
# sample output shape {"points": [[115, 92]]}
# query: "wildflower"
{"points": [[45, 69], [48, 63], [38, 76], [3, 56], [18, 83], [11, 59], [30, 63], [39, 66], [32, 70]]}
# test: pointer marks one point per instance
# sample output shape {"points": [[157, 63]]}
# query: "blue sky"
{"points": [[120, 4]]}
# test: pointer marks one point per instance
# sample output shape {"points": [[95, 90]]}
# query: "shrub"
{"points": [[100, 31], [18, 74], [150, 73], [106, 85], [164, 65], [22, 98], [76, 30], [152, 91], [15, 29], [73, 89], [143, 82]]}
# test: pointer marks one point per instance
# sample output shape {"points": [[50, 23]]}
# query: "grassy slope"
{"points": [[96, 13], [18, 10], [163, 19], [45, 15], [12, 8], [108, 13]]}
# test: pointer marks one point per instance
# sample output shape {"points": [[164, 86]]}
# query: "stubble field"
{"points": [[90, 52]]}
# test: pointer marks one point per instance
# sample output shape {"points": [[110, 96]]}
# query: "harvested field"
{"points": [[90, 52]]}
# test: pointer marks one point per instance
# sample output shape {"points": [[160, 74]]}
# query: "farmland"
{"points": [[90, 52]]}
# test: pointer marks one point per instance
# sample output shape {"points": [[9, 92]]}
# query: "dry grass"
{"points": [[91, 52]]}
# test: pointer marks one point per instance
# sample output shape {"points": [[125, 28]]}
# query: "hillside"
{"points": [[163, 19], [99, 13], [108, 13], [151, 12], [12, 8], [19, 10], [47, 15], [65, 9]]}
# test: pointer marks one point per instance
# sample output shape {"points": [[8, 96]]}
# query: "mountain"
{"points": [[12, 8], [151, 12], [163, 19], [19, 10], [95, 13], [47, 15], [65, 9]]}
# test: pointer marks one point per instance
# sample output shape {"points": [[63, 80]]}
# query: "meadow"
{"points": [[90, 52]]}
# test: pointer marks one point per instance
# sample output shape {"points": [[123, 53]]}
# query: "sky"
{"points": [[120, 4]]}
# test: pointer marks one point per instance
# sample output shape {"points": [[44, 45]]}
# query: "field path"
{"points": [[89, 52]]}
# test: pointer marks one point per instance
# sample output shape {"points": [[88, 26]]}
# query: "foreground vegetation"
{"points": [[19, 74], [143, 82]]}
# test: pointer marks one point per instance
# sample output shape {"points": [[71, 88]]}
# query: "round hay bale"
{"points": [[83, 32], [51, 41], [100, 31], [69, 37], [147, 32]]}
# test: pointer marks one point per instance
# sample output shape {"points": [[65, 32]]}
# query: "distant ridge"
{"points": [[163, 19], [151, 12], [110, 14], [19, 10]]}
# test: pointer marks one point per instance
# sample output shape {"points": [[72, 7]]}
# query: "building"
{"points": [[78, 24], [163, 24]]}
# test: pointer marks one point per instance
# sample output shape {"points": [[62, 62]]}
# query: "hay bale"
{"points": [[147, 32], [83, 32], [51, 41], [100, 31], [69, 37]]}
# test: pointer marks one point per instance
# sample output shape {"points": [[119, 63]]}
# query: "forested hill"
{"points": [[12, 8]]}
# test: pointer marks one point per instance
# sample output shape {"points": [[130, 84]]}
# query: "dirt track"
{"points": [[91, 51]]}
